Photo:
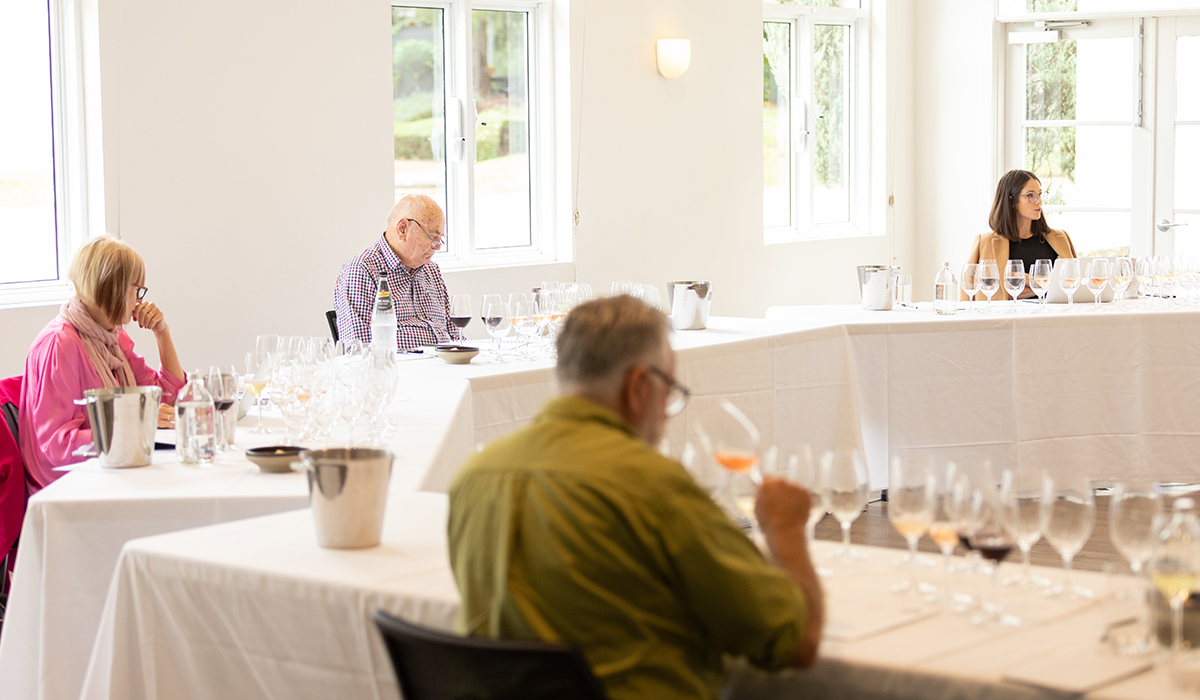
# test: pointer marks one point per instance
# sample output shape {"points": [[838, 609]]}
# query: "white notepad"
{"points": [[1076, 670]]}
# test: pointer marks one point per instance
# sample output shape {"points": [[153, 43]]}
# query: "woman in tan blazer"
{"points": [[1019, 230]]}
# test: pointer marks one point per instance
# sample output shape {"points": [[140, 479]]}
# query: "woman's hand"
{"points": [[166, 416], [148, 316]]}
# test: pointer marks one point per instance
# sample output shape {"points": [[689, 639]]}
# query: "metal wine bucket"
{"points": [[348, 493], [690, 302], [123, 421]]}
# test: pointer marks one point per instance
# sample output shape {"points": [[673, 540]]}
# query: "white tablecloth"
{"points": [[74, 529], [257, 609]]}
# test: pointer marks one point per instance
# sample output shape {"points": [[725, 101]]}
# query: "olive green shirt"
{"points": [[574, 530]]}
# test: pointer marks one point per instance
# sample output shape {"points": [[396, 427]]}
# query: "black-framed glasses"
{"points": [[1032, 197], [141, 292], [677, 394], [438, 243]]}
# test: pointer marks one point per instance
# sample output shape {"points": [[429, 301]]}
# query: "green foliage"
{"points": [[1051, 5], [1050, 95], [829, 81]]}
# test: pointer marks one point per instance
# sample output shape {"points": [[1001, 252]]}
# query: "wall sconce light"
{"points": [[674, 56]]}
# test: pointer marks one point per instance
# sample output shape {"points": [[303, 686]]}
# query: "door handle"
{"points": [[1164, 225]]}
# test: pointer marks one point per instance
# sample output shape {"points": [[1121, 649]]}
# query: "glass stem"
{"points": [[1176, 628], [846, 537], [1067, 573], [1025, 577], [912, 562]]}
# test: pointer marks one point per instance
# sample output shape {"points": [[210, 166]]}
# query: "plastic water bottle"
{"points": [[945, 292], [195, 422], [383, 318]]}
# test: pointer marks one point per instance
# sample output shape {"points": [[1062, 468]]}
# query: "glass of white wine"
{"points": [[1014, 280], [1175, 568], [912, 490], [1098, 273], [497, 320], [1069, 275], [1121, 276], [1039, 280], [259, 371], [844, 475], [989, 281]]}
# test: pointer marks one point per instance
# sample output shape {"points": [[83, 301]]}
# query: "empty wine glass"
{"points": [[652, 297], [1121, 275], [460, 310], [803, 470], [844, 476], [525, 321], [1014, 280], [1068, 511], [1147, 281], [969, 282], [1134, 519], [1098, 273], [622, 288], [911, 497], [1068, 278], [989, 281], [1021, 504], [1039, 280]]}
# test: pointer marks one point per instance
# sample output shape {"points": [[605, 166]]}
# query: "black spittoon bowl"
{"points": [[275, 459]]}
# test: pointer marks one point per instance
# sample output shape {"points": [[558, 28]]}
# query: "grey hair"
{"points": [[603, 338]]}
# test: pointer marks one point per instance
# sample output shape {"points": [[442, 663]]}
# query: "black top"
{"points": [[1030, 250]]}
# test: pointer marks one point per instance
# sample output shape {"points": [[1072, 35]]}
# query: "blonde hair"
{"points": [[103, 270], [602, 339]]}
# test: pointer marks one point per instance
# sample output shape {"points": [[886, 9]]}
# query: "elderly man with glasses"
{"points": [[415, 231], [577, 530]]}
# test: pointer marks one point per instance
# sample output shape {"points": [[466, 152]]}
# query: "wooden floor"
{"points": [[873, 528]]}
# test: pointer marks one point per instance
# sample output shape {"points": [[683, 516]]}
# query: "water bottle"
{"points": [[945, 292], [383, 318], [195, 422]]}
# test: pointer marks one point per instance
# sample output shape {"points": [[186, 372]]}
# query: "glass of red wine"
{"points": [[460, 310], [993, 538]]}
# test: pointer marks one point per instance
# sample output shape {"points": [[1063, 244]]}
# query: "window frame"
{"points": [[76, 161], [803, 19], [544, 246]]}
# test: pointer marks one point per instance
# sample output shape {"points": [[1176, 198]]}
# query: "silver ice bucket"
{"points": [[877, 286], [123, 421], [690, 302], [347, 490]]}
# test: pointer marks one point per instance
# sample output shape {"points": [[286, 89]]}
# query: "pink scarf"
{"points": [[102, 345]]}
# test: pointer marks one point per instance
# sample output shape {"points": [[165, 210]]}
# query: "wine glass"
{"points": [[803, 470], [622, 288], [1134, 519], [460, 310], [1121, 275], [844, 476], [1021, 505], [734, 443], [1147, 282], [1068, 511], [993, 538], [1039, 280], [946, 515], [1068, 278], [912, 488], [989, 281], [969, 281], [496, 319], [525, 321], [652, 297], [1014, 280], [223, 399], [1175, 567], [259, 370], [1098, 273]]}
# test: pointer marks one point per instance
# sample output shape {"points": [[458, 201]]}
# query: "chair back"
{"points": [[433, 665], [331, 318]]}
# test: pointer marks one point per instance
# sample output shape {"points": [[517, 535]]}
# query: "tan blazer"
{"points": [[993, 246]]}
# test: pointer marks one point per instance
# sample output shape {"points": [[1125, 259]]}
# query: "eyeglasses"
{"points": [[141, 291], [438, 242], [1032, 197], [677, 394]]}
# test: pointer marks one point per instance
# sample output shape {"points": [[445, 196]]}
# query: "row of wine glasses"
{"points": [[648, 293]]}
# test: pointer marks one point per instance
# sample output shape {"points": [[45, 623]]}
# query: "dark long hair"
{"points": [[1003, 218]]}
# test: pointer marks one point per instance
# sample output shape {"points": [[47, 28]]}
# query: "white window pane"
{"points": [[1095, 234], [1086, 79], [777, 121], [1187, 78], [502, 184], [1187, 238], [831, 160], [28, 234], [1187, 167], [1082, 166], [817, 3], [419, 103]]}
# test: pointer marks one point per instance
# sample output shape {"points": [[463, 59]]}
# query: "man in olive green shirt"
{"points": [[575, 530]]}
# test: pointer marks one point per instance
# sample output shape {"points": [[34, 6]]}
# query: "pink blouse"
{"points": [[58, 371]]}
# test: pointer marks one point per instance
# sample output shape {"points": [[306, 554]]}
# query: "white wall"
{"points": [[248, 154]]}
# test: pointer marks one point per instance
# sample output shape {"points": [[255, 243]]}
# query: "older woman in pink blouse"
{"points": [[84, 348]]}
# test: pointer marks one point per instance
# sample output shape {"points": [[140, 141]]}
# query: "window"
{"points": [[42, 193], [472, 116], [815, 120], [1101, 109]]}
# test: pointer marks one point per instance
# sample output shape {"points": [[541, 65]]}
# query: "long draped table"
{"points": [[1114, 393], [256, 609]]}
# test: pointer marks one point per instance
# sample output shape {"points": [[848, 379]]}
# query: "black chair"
{"points": [[434, 665], [331, 316]]}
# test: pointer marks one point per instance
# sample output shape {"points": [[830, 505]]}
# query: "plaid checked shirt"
{"points": [[422, 304]]}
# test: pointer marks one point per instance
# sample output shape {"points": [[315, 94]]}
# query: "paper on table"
{"points": [[867, 618], [1076, 670]]}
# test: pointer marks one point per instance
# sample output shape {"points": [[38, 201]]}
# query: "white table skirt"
{"points": [[257, 609]]}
